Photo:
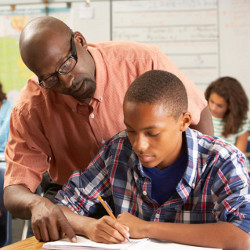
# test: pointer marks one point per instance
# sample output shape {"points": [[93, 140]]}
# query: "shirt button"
{"points": [[100, 99], [92, 115], [103, 141], [157, 216], [144, 193]]}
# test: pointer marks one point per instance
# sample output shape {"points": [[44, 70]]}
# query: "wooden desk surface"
{"points": [[30, 243], [33, 244]]}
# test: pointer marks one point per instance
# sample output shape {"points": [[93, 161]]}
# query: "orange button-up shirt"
{"points": [[56, 133]]}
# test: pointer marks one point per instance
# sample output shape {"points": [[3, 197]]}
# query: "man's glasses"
{"points": [[66, 67]]}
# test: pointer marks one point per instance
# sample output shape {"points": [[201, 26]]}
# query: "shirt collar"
{"points": [[101, 77], [101, 73], [190, 174]]}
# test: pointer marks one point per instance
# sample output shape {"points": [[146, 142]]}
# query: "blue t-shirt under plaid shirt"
{"points": [[214, 187]]}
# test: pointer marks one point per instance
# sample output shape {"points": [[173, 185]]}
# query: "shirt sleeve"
{"points": [[232, 193], [80, 193], [244, 127], [26, 151], [196, 98]]}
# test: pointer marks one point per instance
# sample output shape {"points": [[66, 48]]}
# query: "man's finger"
{"points": [[44, 231], [36, 232], [54, 230], [66, 229]]}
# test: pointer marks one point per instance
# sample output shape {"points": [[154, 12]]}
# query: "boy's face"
{"points": [[156, 137]]}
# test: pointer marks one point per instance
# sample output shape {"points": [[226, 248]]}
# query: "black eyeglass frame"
{"points": [[73, 55]]}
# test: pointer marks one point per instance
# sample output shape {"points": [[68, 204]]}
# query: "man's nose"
{"points": [[66, 80]]}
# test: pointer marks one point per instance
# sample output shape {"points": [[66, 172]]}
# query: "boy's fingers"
{"points": [[121, 229]]}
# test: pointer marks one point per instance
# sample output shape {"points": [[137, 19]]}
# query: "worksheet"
{"points": [[134, 244], [84, 243]]}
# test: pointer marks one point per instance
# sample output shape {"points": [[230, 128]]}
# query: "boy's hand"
{"points": [[136, 226], [107, 230]]}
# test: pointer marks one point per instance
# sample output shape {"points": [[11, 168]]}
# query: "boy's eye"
{"points": [[153, 134]]}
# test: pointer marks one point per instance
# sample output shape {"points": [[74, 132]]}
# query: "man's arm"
{"points": [[47, 220], [205, 124], [220, 235]]}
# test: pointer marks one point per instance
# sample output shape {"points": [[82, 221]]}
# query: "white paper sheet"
{"points": [[84, 243], [141, 244]]}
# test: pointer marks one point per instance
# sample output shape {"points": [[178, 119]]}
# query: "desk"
{"points": [[33, 244], [30, 243]]}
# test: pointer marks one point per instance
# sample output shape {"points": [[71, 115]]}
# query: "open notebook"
{"points": [[84, 243]]}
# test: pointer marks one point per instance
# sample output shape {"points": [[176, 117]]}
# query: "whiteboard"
{"points": [[205, 38], [96, 26], [235, 40]]}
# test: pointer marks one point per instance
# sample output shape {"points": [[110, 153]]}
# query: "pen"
{"points": [[108, 209]]}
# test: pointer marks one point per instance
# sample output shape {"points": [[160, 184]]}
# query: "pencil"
{"points": [[108, 209]]}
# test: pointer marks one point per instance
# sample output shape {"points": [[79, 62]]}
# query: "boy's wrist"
{"points": [[146, 229]]}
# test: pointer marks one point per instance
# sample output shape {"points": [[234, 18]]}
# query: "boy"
{"points": [[166, 181]]}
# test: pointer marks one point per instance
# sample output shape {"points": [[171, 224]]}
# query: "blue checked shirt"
{"points": [[214, 187]]}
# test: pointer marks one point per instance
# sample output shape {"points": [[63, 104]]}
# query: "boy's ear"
{"points": [[185, 121]]}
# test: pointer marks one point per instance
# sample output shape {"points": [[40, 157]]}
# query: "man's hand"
{"points": [[107, 230], [136, 225], [49, 222]]}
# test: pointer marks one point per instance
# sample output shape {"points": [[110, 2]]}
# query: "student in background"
{"points": [[5, 109], [166, 181], [69, 109], [228, 104]]}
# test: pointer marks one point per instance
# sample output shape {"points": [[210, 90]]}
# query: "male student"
{"points": [[166, 180], [62, 119]]}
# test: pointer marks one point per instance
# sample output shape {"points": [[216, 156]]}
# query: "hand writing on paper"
{"points": [[107, 230], [136, 225], [49, 222]]}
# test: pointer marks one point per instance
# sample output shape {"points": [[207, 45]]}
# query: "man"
{"points": [[63, 118], [166, 181]]}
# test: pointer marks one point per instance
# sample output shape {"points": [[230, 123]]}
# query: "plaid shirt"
{"points": [[213, 188]]}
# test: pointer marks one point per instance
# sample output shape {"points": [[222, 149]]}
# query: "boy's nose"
{"points": [[140, 144]]}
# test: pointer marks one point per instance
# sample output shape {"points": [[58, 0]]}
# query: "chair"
{"points": [[5, 216], [248, 150]]}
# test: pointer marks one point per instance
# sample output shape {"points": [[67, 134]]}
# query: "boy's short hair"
{"points": [[159, 87]]}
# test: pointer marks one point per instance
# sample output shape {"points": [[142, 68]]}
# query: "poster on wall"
{"points": [[13, 73]]}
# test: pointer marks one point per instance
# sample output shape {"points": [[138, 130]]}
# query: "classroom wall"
{"points": [[205, 38]]}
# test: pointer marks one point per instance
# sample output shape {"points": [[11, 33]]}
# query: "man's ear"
{"points": [[80, 38], [185, 120]]}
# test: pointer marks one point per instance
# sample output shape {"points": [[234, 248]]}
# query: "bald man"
{"points": [[68, 110]]}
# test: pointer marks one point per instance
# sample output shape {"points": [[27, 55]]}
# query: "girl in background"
{"points": [[5, 109], [228, 104]]}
